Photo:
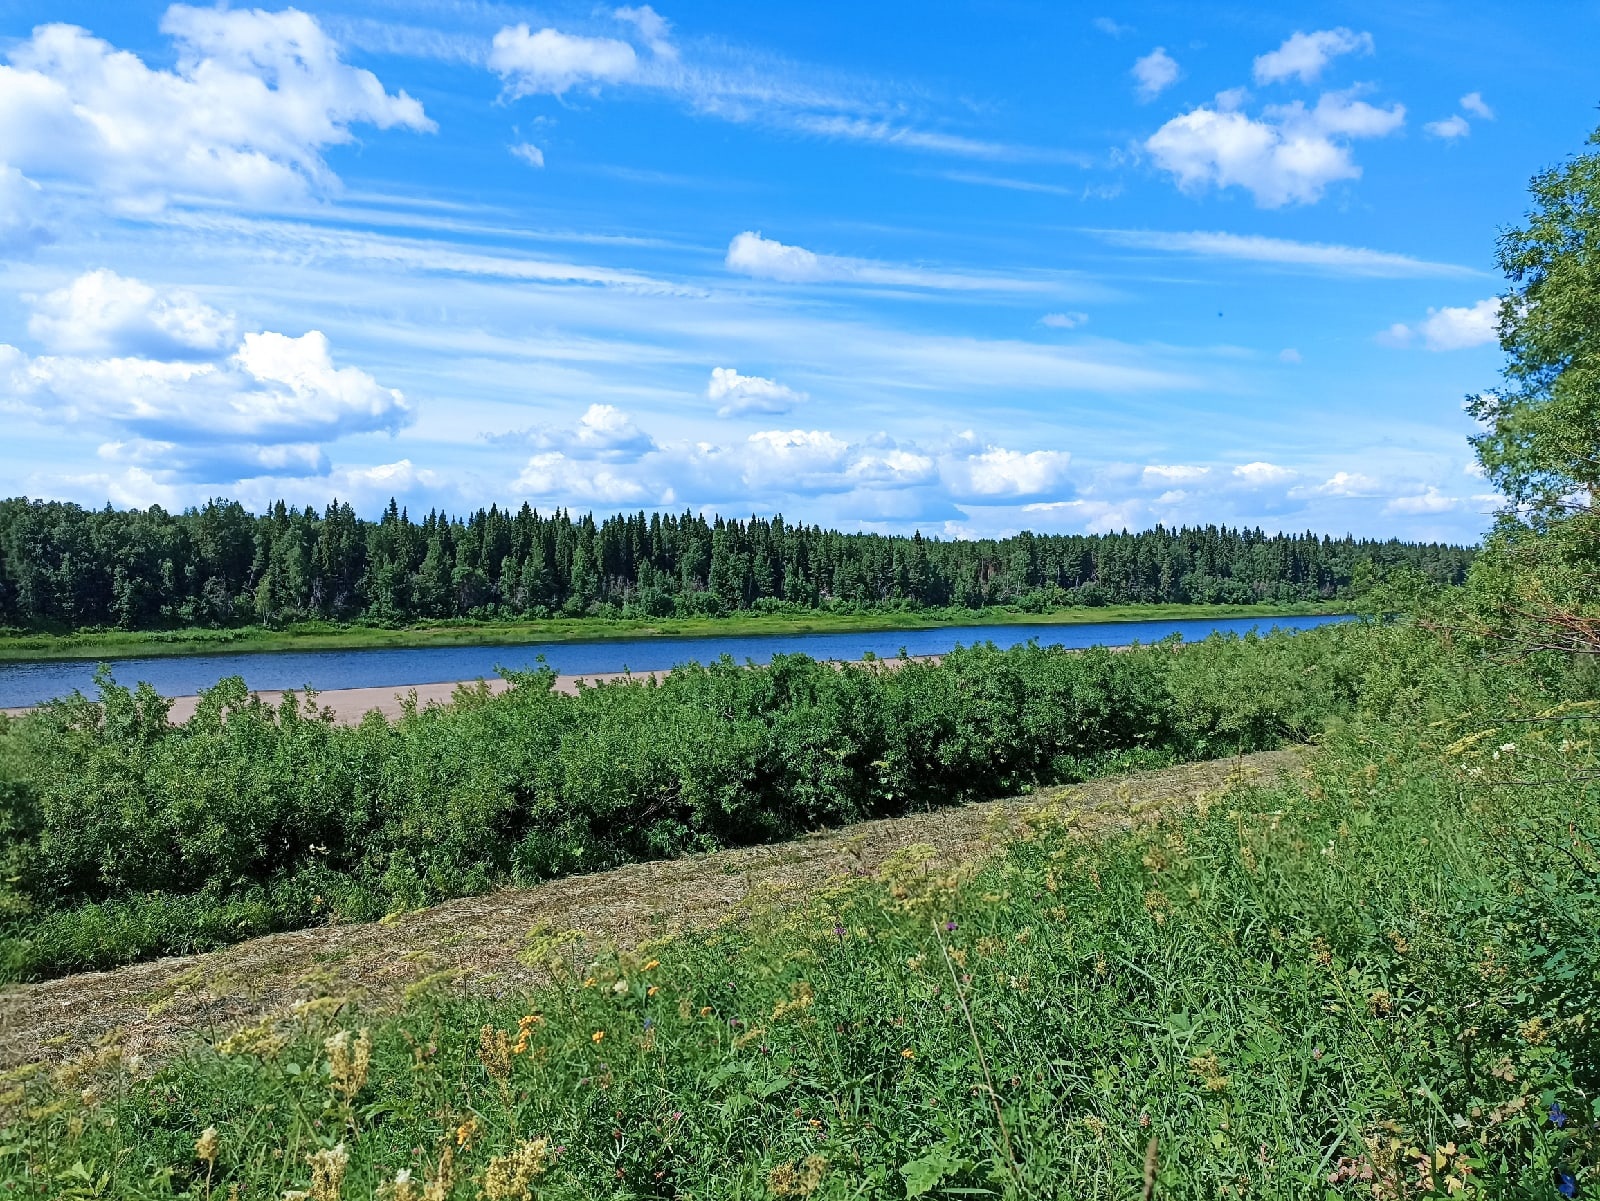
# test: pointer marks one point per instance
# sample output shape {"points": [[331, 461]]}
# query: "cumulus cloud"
{"points": [[743, 394], [555, 475], [101, 312], [770, 464], [1289, 155], [1262, 475], [1164, 476], [1429, 500], [274, 389], [528, 153], [1344, 484], [1304, 55], [603, 432], [1449, 128], [995, 473], [1256, 248], [1155, 73], [750, 253], [553, 62], [1449, 328], [655, 29], [23, 225], [253, 101], [181, 393], [1473, 103], [1064, 320]]}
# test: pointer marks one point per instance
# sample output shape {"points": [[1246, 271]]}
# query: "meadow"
{"points": [[1376, 980]]}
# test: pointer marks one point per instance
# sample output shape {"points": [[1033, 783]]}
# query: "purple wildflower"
{"points": [[1558, 1116]]}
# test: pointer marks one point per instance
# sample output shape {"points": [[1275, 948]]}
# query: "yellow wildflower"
{"points": [[206, 1146], [510, 1177], [597, 1036]]}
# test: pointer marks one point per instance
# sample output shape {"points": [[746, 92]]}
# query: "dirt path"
{"points": [[474, 942]]}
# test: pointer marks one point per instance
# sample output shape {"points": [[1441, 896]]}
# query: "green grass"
{"points": [[1387, 970], [313, 636]]}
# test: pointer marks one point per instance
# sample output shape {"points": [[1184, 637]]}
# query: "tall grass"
{"points": [[1380, 980]]}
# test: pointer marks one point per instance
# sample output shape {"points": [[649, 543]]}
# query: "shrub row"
{"points": [[128, 836]]}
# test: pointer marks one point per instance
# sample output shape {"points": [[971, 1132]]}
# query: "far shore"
{"points": [[23, 647]]}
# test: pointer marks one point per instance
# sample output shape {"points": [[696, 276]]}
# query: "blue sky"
{"points": [[963, 267]]}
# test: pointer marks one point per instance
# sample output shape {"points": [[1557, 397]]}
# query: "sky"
{"points": [[967, 268]]}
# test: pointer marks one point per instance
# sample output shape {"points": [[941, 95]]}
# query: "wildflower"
{"points": [[908, 1053], [652, 990], [652, 965], [403, 1188], [1558, 1116], [206, 1146], [348, 1060], [949, 925], [797, 1180], [1566, 1184], [510, 1177], [327, 1172], [465, 1131], [597, 1036], [620, 987]]}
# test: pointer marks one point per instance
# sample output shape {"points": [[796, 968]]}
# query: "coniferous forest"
{"points": [[64, 566]]}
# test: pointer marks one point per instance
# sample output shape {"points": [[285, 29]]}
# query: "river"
{"points": [[24, 684]]}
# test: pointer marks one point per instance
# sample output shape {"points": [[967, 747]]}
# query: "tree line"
{"points": [[65, 566]]}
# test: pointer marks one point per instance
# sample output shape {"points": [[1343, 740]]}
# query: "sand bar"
{"points": [[350, 705]]}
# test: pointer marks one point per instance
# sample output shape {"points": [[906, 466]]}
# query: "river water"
{"points": [[181, 675]]}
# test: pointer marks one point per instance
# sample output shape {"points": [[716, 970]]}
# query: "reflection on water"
{"points": [[179, 675]]}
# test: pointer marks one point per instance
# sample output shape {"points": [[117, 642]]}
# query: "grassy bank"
{"points": [[321, 636], [1378, 981]]}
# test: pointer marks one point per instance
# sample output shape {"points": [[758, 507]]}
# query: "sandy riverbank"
{"points": [[350, 705]]}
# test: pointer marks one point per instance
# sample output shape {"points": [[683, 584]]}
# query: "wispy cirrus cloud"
{"points": [[1325, 257], [750, 253]]}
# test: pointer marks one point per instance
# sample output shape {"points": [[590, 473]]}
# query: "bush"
{"points": [[120, 816]]}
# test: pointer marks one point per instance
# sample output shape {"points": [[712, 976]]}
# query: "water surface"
{"points": [[176, 675]]}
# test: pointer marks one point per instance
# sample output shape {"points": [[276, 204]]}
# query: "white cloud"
{"points": [[1111, 27], [1262, 475], [1449, 128], [1304, 55], [1161, 476], [102, 312], [1154, 73], [274, 389], [743, 394], [254, 100], [1346, 484], [655, 29], [555, 475], [553, 62], [995, 474], [603, 432], [1288, 156], [1256, 248], [1430, 500], [1064, 320], [529, 153], [766, 258], [1473, 103], [1450, 328], [1289, 355], [23, 225]]}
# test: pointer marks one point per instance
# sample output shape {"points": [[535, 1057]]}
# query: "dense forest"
{"points": [[66, 566]]}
